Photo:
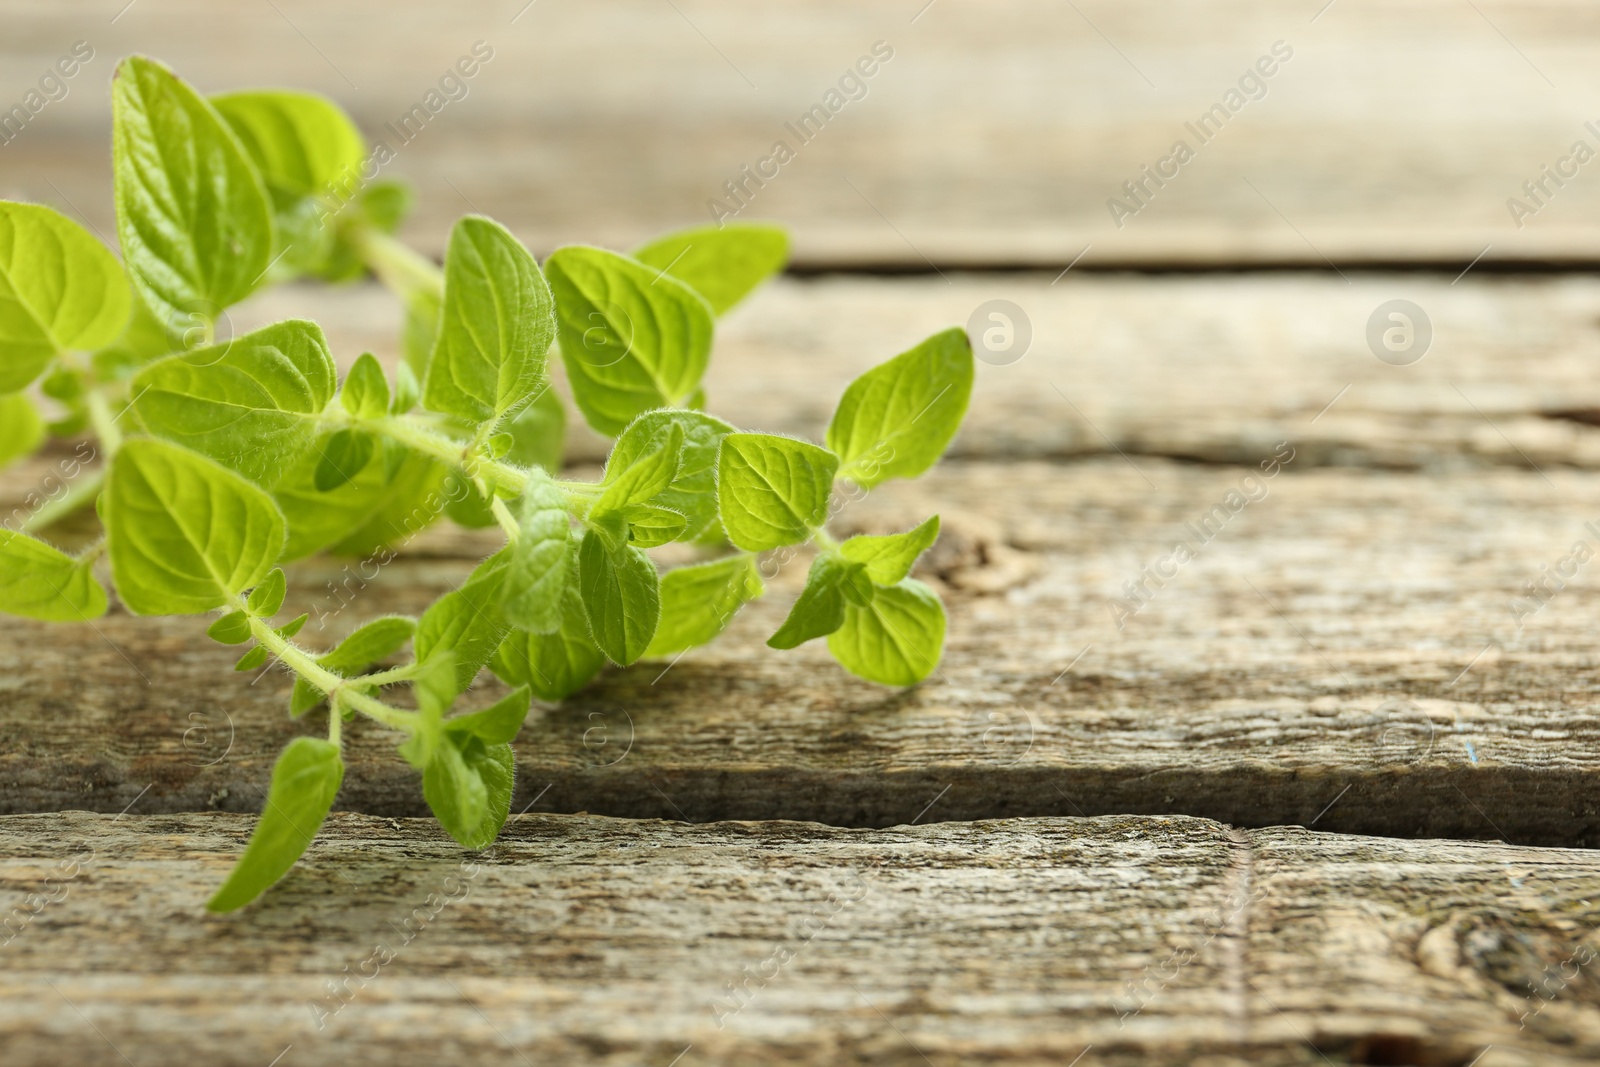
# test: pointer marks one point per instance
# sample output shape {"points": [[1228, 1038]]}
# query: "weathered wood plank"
{"points": [[598, 941], [1343, 652], [1215, 369], [996, 134]]}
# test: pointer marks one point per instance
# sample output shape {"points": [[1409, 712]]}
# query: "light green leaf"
{"points": [[293, 626], [890, 558], [497, 724], [60, 290], [253, 403], [184, 532], [693, 492], [496, 328], [305, 781], [303, 144], [721, 263], [554, 665], [621, 594], [266, 599], [698, 602], [772, 491], [344, 455], [832, 585], [252, 659], [894, 640], [651, 527], [38, 581], [468, 622], [537, 572], [407, 390], [645, 477], [468, 786], [435, 688], [366, 391], [896, 420], [632, 339], [21, 429], [232, 629], [192, 213]]}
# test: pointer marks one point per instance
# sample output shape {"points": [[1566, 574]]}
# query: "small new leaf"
{"points": [[366, 391], [60, 290], [252, 659], [645, 477], [693, 492], [184, 532], [469, 622], [832, 585], [772, 491], [232, 629], [496, 327], [305, 781], [497, 724], [890, 558], [344, 455], [896, 420], [267, 598]]}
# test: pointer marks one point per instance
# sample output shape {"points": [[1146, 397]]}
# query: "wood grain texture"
{"points": [[1343, 652], [1211, 369], [599, 941], [996, 134]]}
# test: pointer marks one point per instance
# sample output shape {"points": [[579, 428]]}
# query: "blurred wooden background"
{"points": [[995, 135]]}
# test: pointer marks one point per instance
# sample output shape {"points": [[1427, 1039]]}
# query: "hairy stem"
{"points": [[305, 665], [104, 423], [79, 494], [404, 271], [465, 457]]}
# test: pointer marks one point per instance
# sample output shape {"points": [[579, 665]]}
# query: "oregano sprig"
{"points": [[226, 456]]}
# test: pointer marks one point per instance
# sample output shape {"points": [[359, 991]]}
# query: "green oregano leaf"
{"points": [[693, 490], [896, 639], [366, 391], [632, 338], [772, 491], [294, 625], [468, 786], [553, 665], [621, 593], [232, 629], [303, 144], [39, 581], [643, 477], [698, 602], [650, 526], [890, 558], [497, 724], [722, 264], [896, 420], [496, 327], [266, 599], [253, 403], [345, 454], [468, 622], [832, 585], [537, 572], [192, 213], [184, 532], [60, 290], [252, 659], [305, 781]]}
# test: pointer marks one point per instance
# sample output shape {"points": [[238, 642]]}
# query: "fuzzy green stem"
{"points": [[825, 541], [397, 266], [462, 456], [104, 423], [305, 665], [79, 494], [508, 522]]}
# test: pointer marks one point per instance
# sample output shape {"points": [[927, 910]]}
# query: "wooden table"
{"points": [[1329, 794]]}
